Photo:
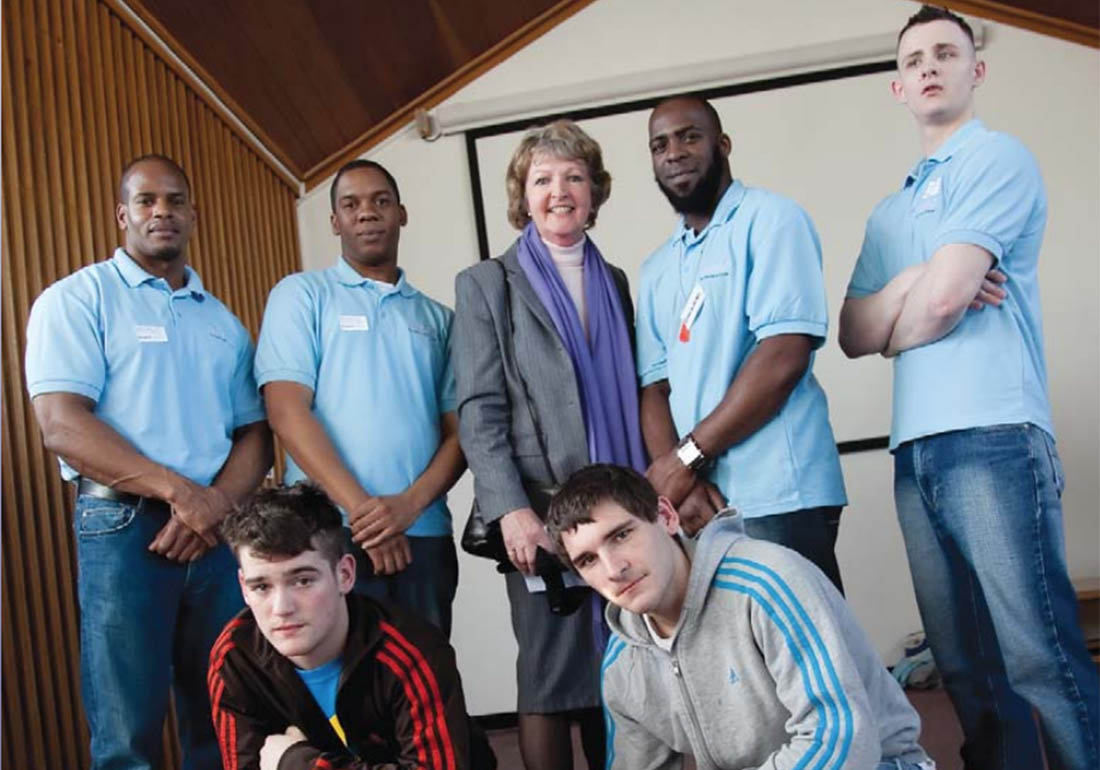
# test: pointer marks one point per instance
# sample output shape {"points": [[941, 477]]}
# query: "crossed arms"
{"points": [[922, 303]]}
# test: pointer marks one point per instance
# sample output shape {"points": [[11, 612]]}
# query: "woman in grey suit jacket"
{"points": [[546, 385]]}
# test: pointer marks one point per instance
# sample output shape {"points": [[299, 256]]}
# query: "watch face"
{"points": [[689, 453]]}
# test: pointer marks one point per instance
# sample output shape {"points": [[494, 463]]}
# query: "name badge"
{"points": [[151, 334], [353, 323], [690, 312]]}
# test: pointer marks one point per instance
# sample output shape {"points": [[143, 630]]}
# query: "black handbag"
{"points": [[483, 538]]}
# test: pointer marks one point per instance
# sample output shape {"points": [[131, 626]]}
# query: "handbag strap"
{"points": [[523, 380]]}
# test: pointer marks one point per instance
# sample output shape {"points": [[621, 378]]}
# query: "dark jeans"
{"points": [[426, 587], [811, 531]]}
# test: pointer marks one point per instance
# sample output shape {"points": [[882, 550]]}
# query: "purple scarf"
{"points": [[603, 362]]}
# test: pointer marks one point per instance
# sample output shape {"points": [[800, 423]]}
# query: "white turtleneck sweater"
{"points": [[569, 260]]}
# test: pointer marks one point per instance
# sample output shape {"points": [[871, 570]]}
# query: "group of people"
{"points": [[655, 452]]}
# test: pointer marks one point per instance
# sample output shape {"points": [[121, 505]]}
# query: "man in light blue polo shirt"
{"points": [[730, 310], [356, 374], [142, 384], [946, 283]]}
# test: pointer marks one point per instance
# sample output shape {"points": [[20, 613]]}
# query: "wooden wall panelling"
{"points": [[227, 266], [207, 198], [71, 233], [31, 537], [256, 222], [254, 181], [246, 225], [115, 105], [81, 94], [224, 265], [87, 106]]}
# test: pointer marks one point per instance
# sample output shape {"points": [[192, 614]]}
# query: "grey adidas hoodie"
{"points": [[768, 669]]}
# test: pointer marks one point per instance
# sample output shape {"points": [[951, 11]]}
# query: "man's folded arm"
{"points": [[941, 296]]}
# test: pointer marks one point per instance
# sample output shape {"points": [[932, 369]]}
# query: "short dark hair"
{"points": [[128, 170], [694, 97], [287, 521], [362, 163], [929, 13], [591, 486]]}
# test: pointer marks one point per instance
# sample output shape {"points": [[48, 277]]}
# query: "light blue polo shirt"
{"points": [[980, 187], [378, 360], [758, 263], [170, 371]]}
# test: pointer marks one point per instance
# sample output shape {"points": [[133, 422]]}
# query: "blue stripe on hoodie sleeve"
{"points": [[615, 645], [820, 644], [809, 653]]}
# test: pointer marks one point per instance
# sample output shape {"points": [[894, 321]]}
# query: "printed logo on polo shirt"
{"points": [[734, 678], [930, 198]]}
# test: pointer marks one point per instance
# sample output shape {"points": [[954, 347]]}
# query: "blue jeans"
{"points": [[426, 587], [981, 514], [810, 531], [146, 626], [898, 764]]}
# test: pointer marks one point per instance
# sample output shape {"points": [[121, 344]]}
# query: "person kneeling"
{"points": [[737, 651], [310, 675]]}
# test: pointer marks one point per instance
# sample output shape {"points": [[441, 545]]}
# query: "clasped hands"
{"points": [[695, 499], [192, 529], [378, 525]]}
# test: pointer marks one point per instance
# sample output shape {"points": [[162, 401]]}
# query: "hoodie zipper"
{"points": [[690, 708]]}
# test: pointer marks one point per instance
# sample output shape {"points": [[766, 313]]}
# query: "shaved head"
{"points": [[692, 100], [163, 160], [690, 155]]}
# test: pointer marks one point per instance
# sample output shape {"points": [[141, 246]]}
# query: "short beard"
{"points": [[702, 198]]}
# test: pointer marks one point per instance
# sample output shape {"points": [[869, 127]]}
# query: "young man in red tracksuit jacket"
{"points": [[312, 676]]}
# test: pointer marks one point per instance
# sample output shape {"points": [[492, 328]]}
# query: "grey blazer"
{"points": [[495, 428]]}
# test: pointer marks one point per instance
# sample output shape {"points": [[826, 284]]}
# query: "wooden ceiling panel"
{"points": [[316, 75], [272, 59], [318, 81]]}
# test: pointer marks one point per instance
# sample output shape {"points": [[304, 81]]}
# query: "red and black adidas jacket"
{"points": [[399, 700]]}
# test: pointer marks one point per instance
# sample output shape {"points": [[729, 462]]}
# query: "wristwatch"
{"points": [[690, 454]]}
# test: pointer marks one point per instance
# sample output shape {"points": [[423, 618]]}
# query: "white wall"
{"points": [[1042, 90]]}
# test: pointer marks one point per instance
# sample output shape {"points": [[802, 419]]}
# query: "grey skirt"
{"points": [[558, 666]]}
